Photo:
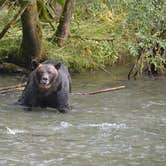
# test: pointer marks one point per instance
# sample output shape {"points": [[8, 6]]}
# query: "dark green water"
{"points": [[120, 128]]}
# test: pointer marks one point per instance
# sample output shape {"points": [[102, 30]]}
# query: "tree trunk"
{"points": [[64, 23], [31, 46]]}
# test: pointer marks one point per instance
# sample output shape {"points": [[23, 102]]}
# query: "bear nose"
{"points": [[44, 80]]}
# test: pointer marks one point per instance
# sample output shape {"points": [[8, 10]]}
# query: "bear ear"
{"points": [[35, 64], [58, 65]]}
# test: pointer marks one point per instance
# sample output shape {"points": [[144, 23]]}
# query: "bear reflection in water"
{"points": [[48, 85]]}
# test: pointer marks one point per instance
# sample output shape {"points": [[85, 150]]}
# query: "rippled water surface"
{"points": [[120, 128]]}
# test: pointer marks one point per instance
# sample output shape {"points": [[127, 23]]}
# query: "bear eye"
{"points": [[49, 72], [40, 72]]}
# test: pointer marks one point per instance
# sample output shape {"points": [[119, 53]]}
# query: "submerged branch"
{"points": [[101, 91], [12, 88], [20, 87]]}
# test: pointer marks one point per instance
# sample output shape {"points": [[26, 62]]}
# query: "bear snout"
{"points": [[44, 80]]}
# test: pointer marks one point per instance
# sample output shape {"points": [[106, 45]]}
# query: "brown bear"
{"points": [[48, 85]]}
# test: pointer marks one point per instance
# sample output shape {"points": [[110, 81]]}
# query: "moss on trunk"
{"points": [[64, 23], [31, 46]]}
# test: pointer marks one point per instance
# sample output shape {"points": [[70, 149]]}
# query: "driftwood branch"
{"points": [[12, 88], [20, 87], [100, 91], [13, 21]]}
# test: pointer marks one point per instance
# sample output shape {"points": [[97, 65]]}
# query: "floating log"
{"points": [[12, 88], [101, 91], [20, 87]]}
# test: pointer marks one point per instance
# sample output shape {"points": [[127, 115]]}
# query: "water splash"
{"points": [[153, 103], [65, 124], [106, 125], [15, 131]]}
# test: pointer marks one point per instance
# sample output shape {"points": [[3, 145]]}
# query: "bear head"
{"points": [[45, 75]]}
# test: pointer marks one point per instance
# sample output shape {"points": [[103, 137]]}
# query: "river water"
{"points": [[120, 128]]}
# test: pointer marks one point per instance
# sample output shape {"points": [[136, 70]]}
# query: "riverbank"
{"points": [[101, 35], [92, 43]]}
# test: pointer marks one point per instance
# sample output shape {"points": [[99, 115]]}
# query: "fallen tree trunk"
{"points": [[100, 91], [12, 88], [20, 87]]}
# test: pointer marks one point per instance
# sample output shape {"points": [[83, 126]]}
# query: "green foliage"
{"points": [[150, 33], [89, 55], [91, 42], [46, 9], [102, 33], [61, 2], [146, 23], [10, 43]]}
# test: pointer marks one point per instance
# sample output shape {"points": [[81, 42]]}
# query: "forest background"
{"points": [[100, 33]]}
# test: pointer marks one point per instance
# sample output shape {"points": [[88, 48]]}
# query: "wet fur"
{"points": [[57, 96]]}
